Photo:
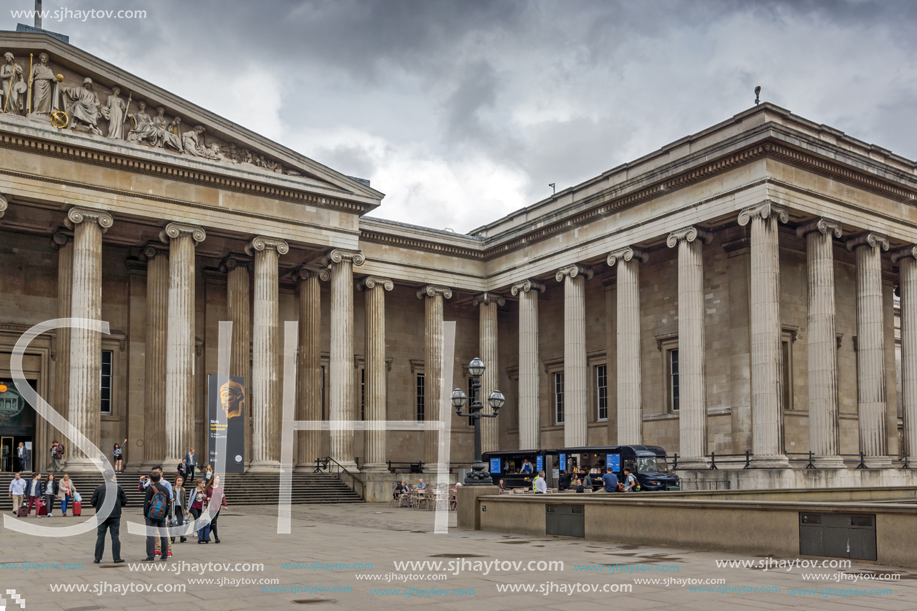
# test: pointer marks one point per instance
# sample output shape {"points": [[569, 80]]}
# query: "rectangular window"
{"points": [[787, 373], [559, 397], [673, 379], [324, 413], [106, 381], [601, 392], [362, 394], [420, 387]]}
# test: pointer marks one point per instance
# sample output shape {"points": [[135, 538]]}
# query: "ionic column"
{"points": [[529, 406], [374, 289], [62, 242], [906, 259], [154, 364], [629, 382], [4, 204], [824, 426], [238, 270], [341, 361], [871, 348], [692, 374], [182, 240], [86, 345], [309, 364], [266, 353], [487, 349], [433, 297], [766, 353], [576, 375]]}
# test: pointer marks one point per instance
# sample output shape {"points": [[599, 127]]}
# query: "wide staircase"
{"points": [[240, 488]]}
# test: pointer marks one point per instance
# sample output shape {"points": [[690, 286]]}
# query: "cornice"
{"points": [[378, 237]]}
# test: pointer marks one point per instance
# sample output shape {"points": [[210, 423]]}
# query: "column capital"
{"points": [[304, 272], [525, 286], [371, 282], [573, 271], [688, 234], [60, 237], [151, 250], [339, 255], [764, 210], [235, 260], [871, 239], [489, 298], [75, 216], [261, 243], [627, 253], [174, 230], [903, 253], [824, 226], [432, 290], [3, 206]]}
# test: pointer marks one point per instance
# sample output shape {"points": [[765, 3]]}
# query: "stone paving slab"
{"points": [[377, 535]]}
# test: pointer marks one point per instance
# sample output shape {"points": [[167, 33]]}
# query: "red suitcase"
{"points": [[77, 508], [42, 509], [24, 510]]}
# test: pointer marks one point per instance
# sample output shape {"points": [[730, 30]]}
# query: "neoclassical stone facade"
{"points": [[736, 290]]}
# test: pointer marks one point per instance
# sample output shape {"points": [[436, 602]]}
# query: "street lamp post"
{"points": [[479, 475]]}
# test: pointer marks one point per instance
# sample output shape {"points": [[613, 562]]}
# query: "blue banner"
{"points": [[613, 461], [563, 462], [494, 465], [539, 461]]}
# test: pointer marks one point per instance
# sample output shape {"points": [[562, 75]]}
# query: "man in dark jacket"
{"points": [[112, 523], [156, 487]]}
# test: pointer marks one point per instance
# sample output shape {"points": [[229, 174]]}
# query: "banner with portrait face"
{"points": [[226, 414]]}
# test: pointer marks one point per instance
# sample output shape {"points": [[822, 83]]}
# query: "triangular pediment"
{"points": [[124, 112]]}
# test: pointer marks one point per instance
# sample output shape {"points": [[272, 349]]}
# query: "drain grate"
{"points": [[457, 556], [87, 608], [312, 601], [514, 542]]}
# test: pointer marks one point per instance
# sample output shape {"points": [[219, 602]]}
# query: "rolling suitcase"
{"points": [[42, 509], [77, 508], [23, 510]]}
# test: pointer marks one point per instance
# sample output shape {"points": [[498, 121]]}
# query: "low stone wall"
{"points": [[768, 528], [730, 478]]}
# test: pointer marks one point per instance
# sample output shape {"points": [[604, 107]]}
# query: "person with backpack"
{"points": [[155, 511], [57, 455], [630, 481]]}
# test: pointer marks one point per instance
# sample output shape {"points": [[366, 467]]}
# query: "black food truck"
{"points": [[647, 463]]}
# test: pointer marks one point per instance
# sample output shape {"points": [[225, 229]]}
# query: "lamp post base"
{"points": [[478, 475]]}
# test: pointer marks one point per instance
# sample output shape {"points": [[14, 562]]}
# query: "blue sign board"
{"points": [[494, 465], [613, 461], [539, 461], [563, 462]]}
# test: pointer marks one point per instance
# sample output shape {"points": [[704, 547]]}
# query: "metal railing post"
{"points": [[862, 464], [810, 465], [713, 466], [747, 460]]}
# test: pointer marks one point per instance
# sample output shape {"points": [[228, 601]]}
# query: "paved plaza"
{"points": [[345, 557]]}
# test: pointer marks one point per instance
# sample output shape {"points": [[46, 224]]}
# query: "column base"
{"points": [[148, 465], [81, 465], [264, 466], [770, 461], [878, 462], [693, 463], [375, 468], [828, 462]]}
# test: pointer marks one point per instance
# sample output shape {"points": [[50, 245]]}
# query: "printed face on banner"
{"points": [[232, 399]]}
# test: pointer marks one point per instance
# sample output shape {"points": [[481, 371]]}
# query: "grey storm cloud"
{"points": [[458, 109]]}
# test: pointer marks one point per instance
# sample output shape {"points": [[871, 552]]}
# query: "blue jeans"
{"points": [[63, 504]]}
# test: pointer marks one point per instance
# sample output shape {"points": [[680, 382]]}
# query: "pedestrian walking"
{"points": [[17, 492], [111, 522], [178, 507], [216, 503], [51, 490], [155, 510], [24, 457], [35, 492], [65, 490], [190, 465]]}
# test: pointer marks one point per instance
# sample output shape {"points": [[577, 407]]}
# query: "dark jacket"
{"points": [[98, 497], [150, 492], [28, 488], [565, 480], [51, 487]]}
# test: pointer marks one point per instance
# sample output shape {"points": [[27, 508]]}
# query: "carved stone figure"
{"points": [[212, 152], [115, 110], [143, 124], [45, 94], [171, 137], [193, 141], [84, 106], [11, 86]]}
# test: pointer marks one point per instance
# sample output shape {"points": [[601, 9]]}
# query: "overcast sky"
{"points": [[461, 112]]}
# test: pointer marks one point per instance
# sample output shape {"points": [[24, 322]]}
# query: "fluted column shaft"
{"points": [[766, 331], [375, 369], [692, 413], [529, 406], [341, 362], [630, 371], [871, 397], [576, 375], [488, 304], [907, 269], [157, 323], [309, 366], [63, 243], [180, 339], [266, 353], [238, 307], [433, 297], [86, 345], [824, 425]]}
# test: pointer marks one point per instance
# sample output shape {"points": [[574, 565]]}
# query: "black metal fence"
{"points": [[902, 461]]}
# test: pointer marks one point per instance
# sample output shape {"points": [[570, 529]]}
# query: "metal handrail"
{"points": [[859, 459], [330, 463]]}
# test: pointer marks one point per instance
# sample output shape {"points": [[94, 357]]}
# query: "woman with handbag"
{"points": [[217, 502], [65, 490], [196, 503]]}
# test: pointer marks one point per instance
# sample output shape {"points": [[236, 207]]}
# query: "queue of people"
{"points": [[42, 495]]}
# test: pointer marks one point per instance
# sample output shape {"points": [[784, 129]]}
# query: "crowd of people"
{"points": [[165, 504]]}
